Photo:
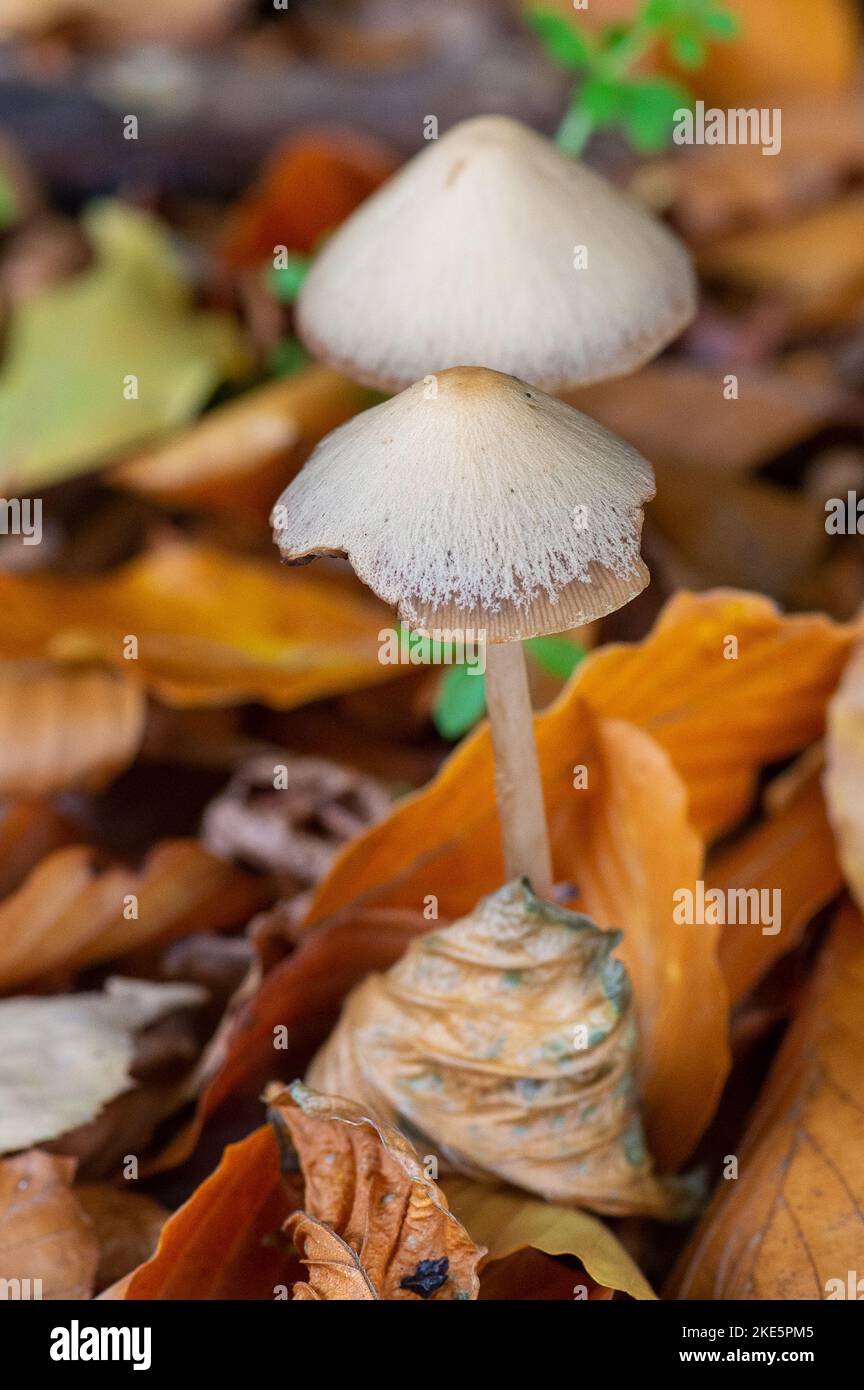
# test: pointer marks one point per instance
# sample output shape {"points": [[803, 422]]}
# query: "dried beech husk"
{"points": [[374, 1225], [504, 1044]]}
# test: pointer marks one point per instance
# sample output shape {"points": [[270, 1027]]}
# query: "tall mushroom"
{"points": [[493, 248], [474, 503]]}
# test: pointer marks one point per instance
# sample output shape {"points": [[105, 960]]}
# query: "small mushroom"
{"points": [[492, 247], [481, 509]]}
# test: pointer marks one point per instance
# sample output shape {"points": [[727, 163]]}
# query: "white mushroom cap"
{"points": [[473, 501], [467, 255]]}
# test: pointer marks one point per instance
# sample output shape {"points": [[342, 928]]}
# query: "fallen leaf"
{"points": [[70, 913], [782, 47], [334, 1271], [791, 1223], [453, 1044], [127, 1227], [790, 852], [46, 1240], [242, 454], [65, 729], [719, 720], [131, 319], [633, 851], [308, 187], [844, 771], [209, 628], [65, 1056], [507, 1222], [291, 815], [772, 413], [224, 1242], [369, 1208]]}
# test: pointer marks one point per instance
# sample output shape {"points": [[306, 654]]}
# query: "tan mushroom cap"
{"points": [[467, 255], [473, 502]]}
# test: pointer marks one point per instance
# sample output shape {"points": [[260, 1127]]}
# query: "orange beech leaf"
{"points": [[790, 852], [783, 47], [44, 1234], [633, 850], [70, 913], [718, 719], [373, 1225], [62, 729], [791, 1225], [225, 1242], [506, 1041], [126, 1224], [211, 629], [844, 772], [309, 186], [243, 453], [507, 1222]]}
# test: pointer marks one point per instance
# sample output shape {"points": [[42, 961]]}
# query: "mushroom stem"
{"points": [[518, 789]]}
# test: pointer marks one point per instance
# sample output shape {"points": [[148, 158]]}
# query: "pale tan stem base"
{"points": [[524, 835]]}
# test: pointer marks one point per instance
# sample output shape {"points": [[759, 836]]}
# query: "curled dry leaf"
{"points": [[844, 772], [63, 1057], [69, 913], [65, 729], [45, 1235], [211, 629], [792, 1222], [62, 412], [373, 1225], [242, 454], [507, 1222], [505, 1041], [291, 815]]}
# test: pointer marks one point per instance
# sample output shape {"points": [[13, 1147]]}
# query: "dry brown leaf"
{"points": [[210, 628], [62, 729], [772, 413], [46, 1240], [374, 1225], [792, 1221], [334, 1271], [291, 815], [71, 913], [242, 454], [844, 772], [63, 1057], [127, 1227], [506, 1042]]}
